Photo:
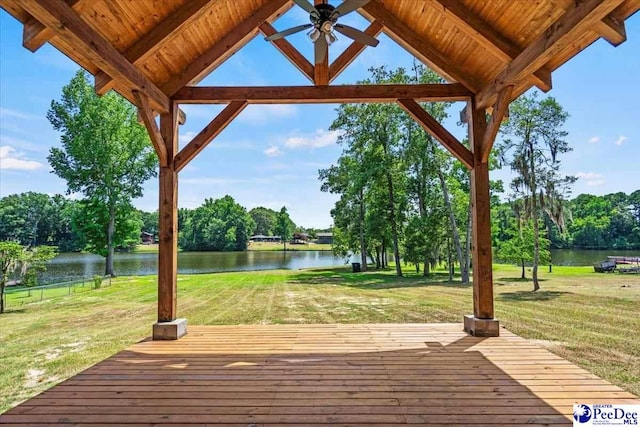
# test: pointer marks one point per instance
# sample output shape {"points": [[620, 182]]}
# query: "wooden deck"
{"points": [[323, 375]]}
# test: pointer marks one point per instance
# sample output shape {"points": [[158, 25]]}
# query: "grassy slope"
{"points": [[591, 319]]}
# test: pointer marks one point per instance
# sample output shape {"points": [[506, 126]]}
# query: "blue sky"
{"points": [[269, 156]]}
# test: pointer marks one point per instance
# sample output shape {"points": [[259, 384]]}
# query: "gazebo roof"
{"points": [[160, 46]]}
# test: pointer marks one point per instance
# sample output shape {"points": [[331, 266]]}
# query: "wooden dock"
{"points": [[305, 375]]}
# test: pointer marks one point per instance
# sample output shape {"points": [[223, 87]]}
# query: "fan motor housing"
{"points": [[325, 13]]}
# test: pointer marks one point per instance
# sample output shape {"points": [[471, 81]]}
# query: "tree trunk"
{"points": [[111, 229], [363, 243], [522, 276], [2, 297], [426, 270], [378, 264], [452, 216], [466, 268], [394, 226]]}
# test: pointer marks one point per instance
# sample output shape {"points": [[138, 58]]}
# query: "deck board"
{"points": [[268, 375]]}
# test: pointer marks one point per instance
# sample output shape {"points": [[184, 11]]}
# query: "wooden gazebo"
{"points": [[154, 52]]}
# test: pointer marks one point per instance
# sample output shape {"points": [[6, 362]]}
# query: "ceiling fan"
{"points": [[324, 20]]}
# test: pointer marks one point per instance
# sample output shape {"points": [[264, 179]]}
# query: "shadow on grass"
{"points": [[531, 296], [374, 279], [520, 279]]}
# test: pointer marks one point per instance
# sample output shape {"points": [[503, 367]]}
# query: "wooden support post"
{"points": [[168, 326], [482, 323]]}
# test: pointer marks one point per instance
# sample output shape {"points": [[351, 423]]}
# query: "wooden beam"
{"points": [[168, 221], [321, 70], [320, 94], [151, 42], [226, 46], [418, 46], [146, 114], [35, 34], [213, 129], [350, 53], [57, 15], [551, 41], [612, 30], [481, 218], [487, 36], [289, 51], [500, 108], [438, 131]]}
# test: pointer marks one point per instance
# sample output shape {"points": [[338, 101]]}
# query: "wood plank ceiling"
{"points": [[156, 47]]}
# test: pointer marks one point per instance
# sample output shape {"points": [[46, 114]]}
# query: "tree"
{"points": [[283, 226], [519, 248], [105, 155], [533, 141], [10, 256], [265, 220], [34, 261]]}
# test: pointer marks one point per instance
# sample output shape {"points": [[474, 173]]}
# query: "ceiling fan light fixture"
{"points": [[327, 27], [330, 37], [313, 35]]}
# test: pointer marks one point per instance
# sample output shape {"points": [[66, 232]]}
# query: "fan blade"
{"points": [[349, 6], [290, 31], [321, 48], [306, 6], [356, 35]]}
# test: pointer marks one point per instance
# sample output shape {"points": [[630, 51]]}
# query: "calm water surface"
{"points": [[68, 266]]}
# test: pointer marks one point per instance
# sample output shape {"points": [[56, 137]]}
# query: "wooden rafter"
{"points": [[289, 51], [438, 131], [350, 53], [321, 68], [146, 114], [555, 38], [57, 15], [485, 35], [153, 40], [226, 46], [35, 34], [213, 129], [499, 110], [611, 28], [320, 94], [418, 46]]}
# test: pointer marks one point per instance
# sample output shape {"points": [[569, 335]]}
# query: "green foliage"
{"points": [[10, 255], [34, 261], [97, 281], [105, 155], [265, 220], [283, 226], [217, 225]]}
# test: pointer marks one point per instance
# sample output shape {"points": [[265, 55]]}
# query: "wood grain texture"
{"points": [[35, 34], [320, 94], [338, 375], [547, 44], [168, 221], [500, 109], [58, 16], [480, 217], [431, 125], [206, 135]]}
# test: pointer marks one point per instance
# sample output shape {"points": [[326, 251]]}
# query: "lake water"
{"points": [[68, 266]]}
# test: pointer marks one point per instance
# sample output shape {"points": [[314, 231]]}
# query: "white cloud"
{"points": [[591, 179], [321, 138], [259, 114], [186, 138], [273, 151], [620, 140], [14, 114], [10, 159], [594, 140]]}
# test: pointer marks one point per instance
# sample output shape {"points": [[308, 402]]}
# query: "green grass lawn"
{"points": [[590, 319]]}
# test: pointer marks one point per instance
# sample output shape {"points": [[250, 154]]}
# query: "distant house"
{"points": [[326, 238], [147, 238], [263, 238], [300, 238]]}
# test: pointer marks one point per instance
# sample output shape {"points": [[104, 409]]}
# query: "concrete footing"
{"points": [[481, 327], [170, 330]]}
